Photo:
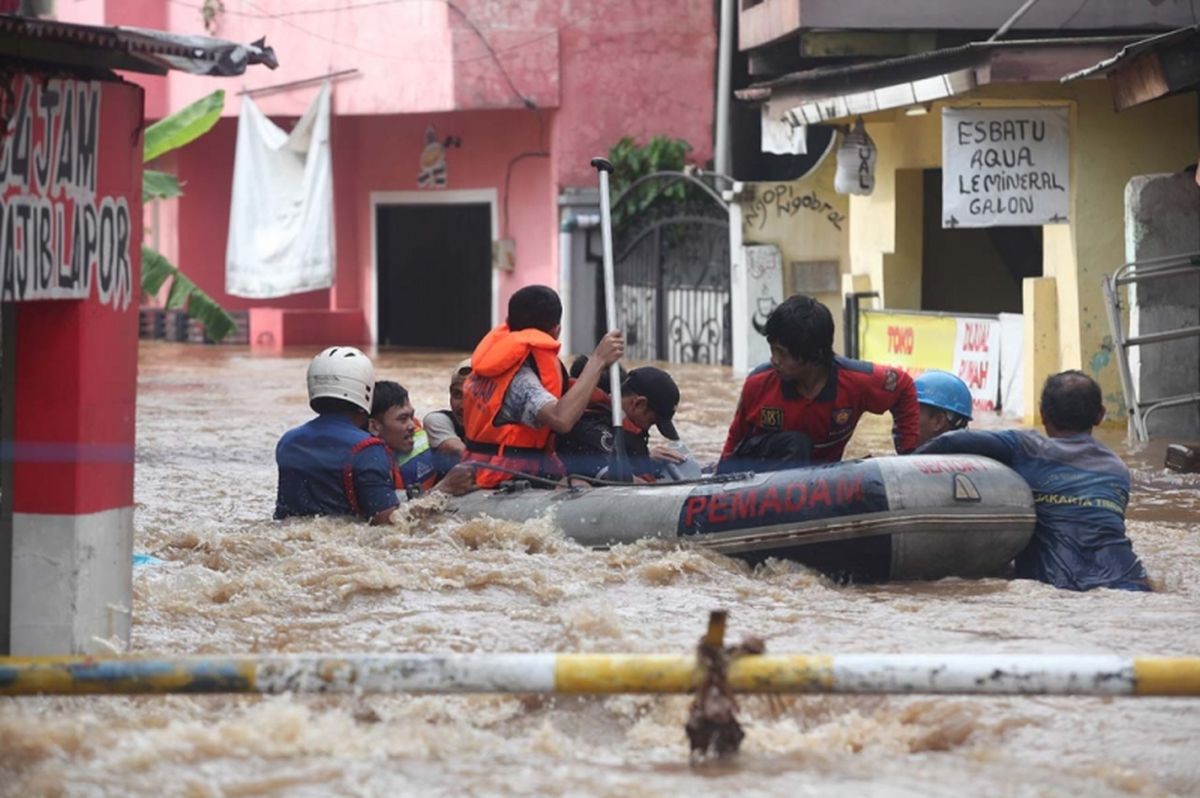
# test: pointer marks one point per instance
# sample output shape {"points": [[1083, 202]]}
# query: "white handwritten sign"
{"points": [[764, 292], [1005, 166], [977, 359], [61, 234]]}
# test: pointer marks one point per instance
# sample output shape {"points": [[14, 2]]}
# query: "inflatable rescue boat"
{"points": [[890, 518]]}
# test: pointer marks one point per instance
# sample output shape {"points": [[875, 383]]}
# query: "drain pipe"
{"points": [[724, 68], [571, 221]]}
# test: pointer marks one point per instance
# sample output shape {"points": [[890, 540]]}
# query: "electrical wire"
{"points": [[528, 103], [1074, 14], [281, 17]]}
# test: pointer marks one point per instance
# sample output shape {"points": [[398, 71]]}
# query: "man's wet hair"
{"points": [[802, 326], [1071, 401], [534, 306], [580, 361], [388, 394]]}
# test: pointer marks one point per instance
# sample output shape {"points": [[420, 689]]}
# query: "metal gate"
{"points": [[672, 274]]}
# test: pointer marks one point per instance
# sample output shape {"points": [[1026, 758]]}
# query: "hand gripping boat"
{"points": [[915, 517]]}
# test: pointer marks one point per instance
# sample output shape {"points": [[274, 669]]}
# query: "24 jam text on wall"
{"points": [[59, 239]]}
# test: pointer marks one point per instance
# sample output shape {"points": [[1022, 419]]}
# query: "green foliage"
{"points": [[184, 294], [631, 162], [159, 185], [184, 126], [170, 133]]}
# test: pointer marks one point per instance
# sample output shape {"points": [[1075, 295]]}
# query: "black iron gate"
{"points": [[672, 273]]}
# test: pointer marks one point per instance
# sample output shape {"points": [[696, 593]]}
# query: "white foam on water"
{"points": [[234, 581]]}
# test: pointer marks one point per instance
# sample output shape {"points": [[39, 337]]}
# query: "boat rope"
{"points": [[534, 479]]}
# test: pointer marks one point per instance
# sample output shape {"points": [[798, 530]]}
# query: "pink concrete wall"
{"points": [[594, 73], [635, 69], [374, 154], [402, 52], [387, 151]]}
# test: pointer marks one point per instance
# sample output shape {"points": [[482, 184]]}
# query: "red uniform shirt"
{"points": [[769, 404]]}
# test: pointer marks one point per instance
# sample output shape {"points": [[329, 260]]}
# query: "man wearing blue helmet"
{"points": [[945, 403]]}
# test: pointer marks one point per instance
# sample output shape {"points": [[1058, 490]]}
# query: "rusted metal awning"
{"points": [[135, 49], [1150, 68], [832, 93]]}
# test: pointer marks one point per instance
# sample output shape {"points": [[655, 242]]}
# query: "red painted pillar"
{"points": [[70, 243]]}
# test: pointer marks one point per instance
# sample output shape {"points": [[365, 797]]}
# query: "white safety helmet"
{"points": [[342, 372]]}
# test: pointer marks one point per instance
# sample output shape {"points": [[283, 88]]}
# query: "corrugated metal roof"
{"points": [[1136, 48], [869, 73], [140, 49]]}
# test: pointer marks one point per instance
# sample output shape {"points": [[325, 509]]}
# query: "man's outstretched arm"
{"points": [[995, 445]]}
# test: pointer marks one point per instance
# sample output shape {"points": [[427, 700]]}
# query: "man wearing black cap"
{"points": [[648, 398]]}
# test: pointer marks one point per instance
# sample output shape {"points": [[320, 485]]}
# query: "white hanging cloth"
{"points": [[281, 235], [783, 135]]}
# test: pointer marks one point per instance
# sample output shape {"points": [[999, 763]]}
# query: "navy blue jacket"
{"points": [[312, 459], [1081, 488]]}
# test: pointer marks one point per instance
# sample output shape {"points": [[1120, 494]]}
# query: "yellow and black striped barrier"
{"points": [[603, 674]]}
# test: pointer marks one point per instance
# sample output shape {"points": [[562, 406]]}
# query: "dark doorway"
{"points": [[433, 275], [974, 269]]}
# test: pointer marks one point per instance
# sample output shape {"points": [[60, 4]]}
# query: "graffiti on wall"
{"points": [[783, 201], [434, 173], [60, 237]]}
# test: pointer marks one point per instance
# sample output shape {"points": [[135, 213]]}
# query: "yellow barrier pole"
{"points": [[603, 674]]}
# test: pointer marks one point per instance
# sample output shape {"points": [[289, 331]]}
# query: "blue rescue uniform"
{"points": [[313, 460], [1080, 488]]}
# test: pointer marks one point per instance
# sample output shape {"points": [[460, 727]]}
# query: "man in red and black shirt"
{"points": [[804, 406]]}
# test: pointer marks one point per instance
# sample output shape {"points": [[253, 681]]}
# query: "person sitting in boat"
{"points": [[393, 421], [444, 428], [331, 465], [803, 407], [945, 402], [649, 397], [1080, 488], [514, 398]]}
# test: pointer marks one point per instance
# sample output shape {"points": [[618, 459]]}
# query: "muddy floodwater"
{"points": [[235, 581]]}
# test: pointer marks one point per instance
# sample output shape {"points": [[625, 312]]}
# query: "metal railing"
{"points": [[1179, 265]]}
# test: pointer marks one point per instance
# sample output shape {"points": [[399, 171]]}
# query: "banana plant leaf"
{"points": [[159, 185], [184, 294], [183, 126]]}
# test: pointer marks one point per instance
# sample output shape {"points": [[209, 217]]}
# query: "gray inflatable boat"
{"points": [[891, 518]]}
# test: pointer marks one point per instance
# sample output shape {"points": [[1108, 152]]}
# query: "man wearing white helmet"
{"points": [[945, 402], [331, 465]]}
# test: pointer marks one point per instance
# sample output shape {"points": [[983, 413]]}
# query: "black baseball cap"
{"points": [[661, 393]]}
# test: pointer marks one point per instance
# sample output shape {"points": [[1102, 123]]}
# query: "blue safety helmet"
{"points": [[944, 390]]}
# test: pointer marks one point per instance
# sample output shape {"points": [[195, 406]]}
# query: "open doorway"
{"points": [[974, 269], [433, 273]]}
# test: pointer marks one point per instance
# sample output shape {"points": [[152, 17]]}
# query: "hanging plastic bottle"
{"points": [[856, 162]]}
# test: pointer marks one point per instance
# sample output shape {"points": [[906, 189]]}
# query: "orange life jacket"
{"points": [[494, 364]]}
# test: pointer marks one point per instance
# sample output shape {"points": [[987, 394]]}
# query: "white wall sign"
{"points": [[977, 360], [63, 231], [1005, 166], [764, 268]]}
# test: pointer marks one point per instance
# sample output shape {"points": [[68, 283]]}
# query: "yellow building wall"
{"points": [[1107, 149], [808, 221]]}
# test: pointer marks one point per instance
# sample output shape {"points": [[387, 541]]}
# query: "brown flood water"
{"points": [[208, 419]]}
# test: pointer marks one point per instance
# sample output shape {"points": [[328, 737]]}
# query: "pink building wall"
{"points": [[593, 73]]}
